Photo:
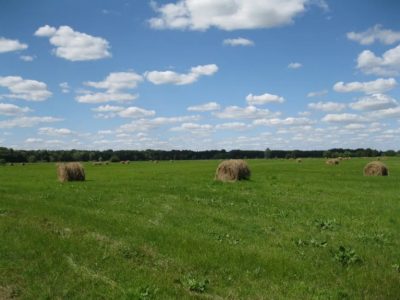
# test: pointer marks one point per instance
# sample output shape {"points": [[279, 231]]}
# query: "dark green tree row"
{"points": [[8, 155]]}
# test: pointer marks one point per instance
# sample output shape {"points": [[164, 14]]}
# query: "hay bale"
{"points": [[376, 168], [70, 172], [299, 160], [332, 162], [232, 170]]}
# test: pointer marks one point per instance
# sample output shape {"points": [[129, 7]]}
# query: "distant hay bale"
{"points": [[332, 161], [70, 172], [232, 170], [97, 163], [376, 168], [340, 158], [299, 160]]}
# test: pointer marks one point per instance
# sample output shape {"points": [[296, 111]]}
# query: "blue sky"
{"points": [[199, 74]]}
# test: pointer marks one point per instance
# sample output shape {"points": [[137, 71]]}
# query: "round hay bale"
{"points": [[376, 168], [299, 160], [70, 172], [332, 162], [232, 170]]}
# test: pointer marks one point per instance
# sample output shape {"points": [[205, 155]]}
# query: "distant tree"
{"points": [[114, 158], [32, 159], [267, 153]]}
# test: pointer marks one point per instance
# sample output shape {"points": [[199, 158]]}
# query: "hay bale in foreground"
{"points": [[376, 168], [232, 170], [332, 161], [70, 172]]}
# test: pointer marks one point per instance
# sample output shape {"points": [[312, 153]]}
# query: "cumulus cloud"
{"points": [[317, 94], [115, 86], [327, 106], [50, 131], [27, 58], [386, 65], [12, 110], [73, 45], [194, 128], [7, 45], [375, 34], [27, 121], [232, 126], [142, 125], [379, 85], [170, 77], [210, 106], [108, 108], [25, 89], [374, 102], [64, 87], [344, 118], [291, 121], [248, 112], [238, 42], [264, 99], [295, 65], [393, 112], [136, 112], [226, 14]]}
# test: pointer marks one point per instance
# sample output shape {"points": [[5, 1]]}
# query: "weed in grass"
{"points": [[396, 267], [347, 256], [142, 293], [312, 242], [194, 284], [328, 224], [377, 238]]}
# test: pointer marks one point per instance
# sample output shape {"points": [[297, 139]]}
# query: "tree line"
{"points": [[9, 155]]}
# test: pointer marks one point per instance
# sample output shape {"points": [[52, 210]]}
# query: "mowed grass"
{"points": [[169, 231]]}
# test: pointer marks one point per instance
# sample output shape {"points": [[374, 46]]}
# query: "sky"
{"points": [[199, 74]]}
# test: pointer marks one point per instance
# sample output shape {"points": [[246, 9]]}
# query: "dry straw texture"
{"points": [[232, 170], [376, 168], [332, 162], [70, 172]]}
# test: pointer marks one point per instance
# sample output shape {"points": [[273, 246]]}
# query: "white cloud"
{"points": [[194, 128], [7, 45], [108, 108], [12, 110], [295, 65], [210, 106], [379, 85], [149, 124], [387, 65], [237, 112], [170, 77], [54, 131], [73, 45], [226, 14], [27, 58], [317, 94], [291, 121], [115, 85], [33, 140], [27, 121], [117, 81], [136, 112], [238, 42], [374, 102], [263, 99], [26, 89], [105, 97], [393, 112], [373, 34], [64, 87], [344, 118], [327, 106], [232, 126]]}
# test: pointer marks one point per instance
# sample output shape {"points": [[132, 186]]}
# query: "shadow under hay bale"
{"points": [[332, 162], [70, 172], [376, 168], [232, 170]]}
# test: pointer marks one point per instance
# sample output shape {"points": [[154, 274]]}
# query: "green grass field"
{"points": [[168, 231]]}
